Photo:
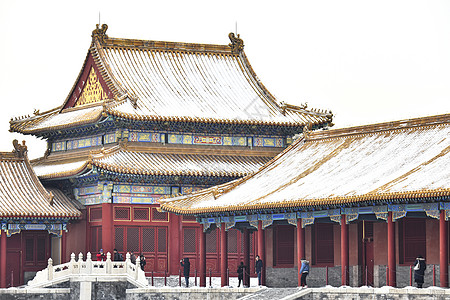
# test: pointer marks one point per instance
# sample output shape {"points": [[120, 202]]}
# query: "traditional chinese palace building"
{"points": [[359, 203], [32, 219], [149, 119]]}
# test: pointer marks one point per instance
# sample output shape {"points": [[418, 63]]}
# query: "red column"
{"points": [[262, 251], [344, 252], [63, 247], [3, 260], [443, 250], [246, 250], [223, 255], [107, 228], [391, 251], [202, 258], [300, 246]]}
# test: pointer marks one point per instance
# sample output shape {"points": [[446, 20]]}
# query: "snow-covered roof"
{"points": [[22, 194], [392, 161], [154, 80], [140, 160]]}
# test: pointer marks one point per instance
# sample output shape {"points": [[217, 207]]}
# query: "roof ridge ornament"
{"points": [[100, 33], [19, 150], [237, 44]]}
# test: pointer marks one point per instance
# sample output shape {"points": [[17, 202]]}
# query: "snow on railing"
{"points": [[90, 267]]}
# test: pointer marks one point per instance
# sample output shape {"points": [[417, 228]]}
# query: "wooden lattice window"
{"points": [[122, 213], [211, 242], [189, 219], [159, 216], [96, 239], [412, 239], [232, 241], [95, 214], [323, 244], [284, 245], [141, 214], [133, 239], [189, 240], [119, 238], [162, 239], [148, 239]]}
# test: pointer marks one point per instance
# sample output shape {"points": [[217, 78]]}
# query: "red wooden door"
{"points": [[13, 273], [368, 258]]}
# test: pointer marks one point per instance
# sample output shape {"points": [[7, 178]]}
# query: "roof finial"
{"points": [[237, 44], [100, 33]]}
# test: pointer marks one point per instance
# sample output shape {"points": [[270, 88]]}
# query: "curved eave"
{"points": [[66, 174], [311, 203], [146, 118], [130, 171], [76, 123]]}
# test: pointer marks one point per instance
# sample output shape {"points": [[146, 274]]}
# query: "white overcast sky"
{"points": [[366, 61]]}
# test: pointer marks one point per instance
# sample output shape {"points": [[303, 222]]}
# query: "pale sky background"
{"points": [[366, 61]]}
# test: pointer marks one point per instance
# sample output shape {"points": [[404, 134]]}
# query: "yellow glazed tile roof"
{"points": [[382, 162], [22, 194], [167, 81]]}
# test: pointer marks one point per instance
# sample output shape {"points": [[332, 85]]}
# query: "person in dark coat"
{"points": [[240, 271], [186, 269], [117, 256], [258, 268], [142, 261], [419, 271], [304, 271]]}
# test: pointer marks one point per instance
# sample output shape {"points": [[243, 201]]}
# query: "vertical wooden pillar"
{"points": [[300, 247], [223, 255], [3, 259], [246, 250], [63, 246], [391, 251], [107, 228], [262, 251], [443, 250], [345, 272], [202, 258]]}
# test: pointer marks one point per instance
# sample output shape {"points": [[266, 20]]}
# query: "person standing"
{"points": [[419, 271], [258, 268], [117, 256], [133, 257], [240, 271], [186, 269], [101, 256], [304, 271], [142, 261]]}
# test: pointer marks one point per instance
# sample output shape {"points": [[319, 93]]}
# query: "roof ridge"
{"points": [[381, 127]]}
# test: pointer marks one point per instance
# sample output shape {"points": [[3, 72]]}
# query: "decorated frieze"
{"points": [[191, 189], [352, 213], [89, 195], [112, 137], [144, 136], [140, 194], [53, 228]]}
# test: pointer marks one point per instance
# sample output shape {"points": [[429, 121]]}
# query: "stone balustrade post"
{"points": [[108, 263], [138, 267], [80, 262], [89, 263], [127, 262], [50, 269], [72, 262]]}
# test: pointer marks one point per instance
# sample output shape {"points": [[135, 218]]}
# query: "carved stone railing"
{"points": [[89, 267]]}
